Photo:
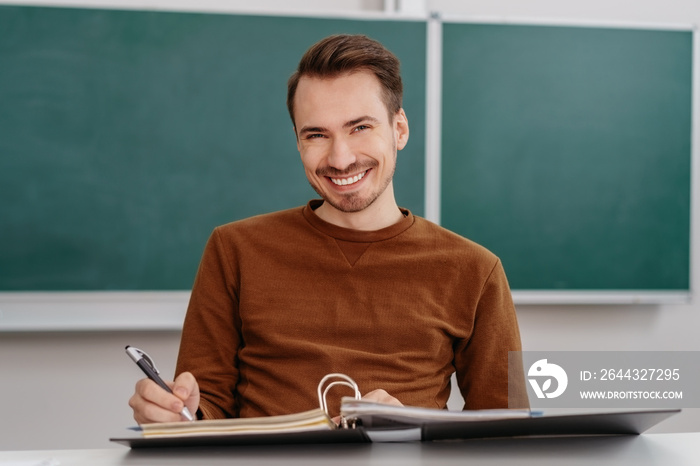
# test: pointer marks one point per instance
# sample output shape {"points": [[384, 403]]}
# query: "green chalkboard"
{"points": [[127, 136], [567, 150]]}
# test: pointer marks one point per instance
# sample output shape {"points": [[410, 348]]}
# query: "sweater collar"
{"points": [[347, 234]]}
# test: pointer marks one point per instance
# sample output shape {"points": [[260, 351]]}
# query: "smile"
{"points": [[348, 181]]}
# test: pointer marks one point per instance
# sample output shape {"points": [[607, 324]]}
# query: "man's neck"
{"points": [[382, 213]]}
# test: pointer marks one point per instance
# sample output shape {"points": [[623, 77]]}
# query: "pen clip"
{"points": [[138, 355]]}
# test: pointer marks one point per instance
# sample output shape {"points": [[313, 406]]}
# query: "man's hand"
{"points": [[378, 396], [381, 396], [153, 404]]}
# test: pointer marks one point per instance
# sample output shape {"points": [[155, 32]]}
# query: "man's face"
{"points": [[347, 140]]}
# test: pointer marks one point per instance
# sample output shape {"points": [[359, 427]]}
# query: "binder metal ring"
{"points": [[322, 393]]}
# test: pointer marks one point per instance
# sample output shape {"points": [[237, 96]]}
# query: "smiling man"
{"points": [[348, 143], [348, 283]]}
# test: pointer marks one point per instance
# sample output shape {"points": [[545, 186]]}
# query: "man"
{"points": [[350, 283]]}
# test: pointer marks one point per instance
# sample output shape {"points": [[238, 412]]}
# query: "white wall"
{"points": [[70, 389]]}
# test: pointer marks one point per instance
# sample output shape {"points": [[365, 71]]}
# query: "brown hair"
{"points": [[345, 53]]}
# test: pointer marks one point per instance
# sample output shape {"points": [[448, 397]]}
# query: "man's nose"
{"points": [[341, 154]]}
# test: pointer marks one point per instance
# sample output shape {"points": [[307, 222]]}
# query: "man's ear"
{"points": [[401, 129]]}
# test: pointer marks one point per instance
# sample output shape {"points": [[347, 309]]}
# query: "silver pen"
{"points": [[148, 367]]}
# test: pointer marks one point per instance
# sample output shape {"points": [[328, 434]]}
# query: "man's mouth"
{"points": [[349, 180]]}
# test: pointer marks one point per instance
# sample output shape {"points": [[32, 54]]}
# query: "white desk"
{"points": [[650, 449]]}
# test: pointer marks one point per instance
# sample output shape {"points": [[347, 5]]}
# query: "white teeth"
{"points": [[347, 181]]}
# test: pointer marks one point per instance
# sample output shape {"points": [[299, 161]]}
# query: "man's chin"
{"points": [[349, 204]]}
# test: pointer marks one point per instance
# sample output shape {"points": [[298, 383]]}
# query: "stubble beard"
{"points": [[353, 202]]}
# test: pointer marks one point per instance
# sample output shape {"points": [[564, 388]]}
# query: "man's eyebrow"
{"points": [[312, 129], [349, 124]]}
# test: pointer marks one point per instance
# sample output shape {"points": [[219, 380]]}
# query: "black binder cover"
{"points": [[281, 438], [616, 423]]}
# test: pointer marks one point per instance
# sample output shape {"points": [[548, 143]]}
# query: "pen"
{"points": [[148, 367]]}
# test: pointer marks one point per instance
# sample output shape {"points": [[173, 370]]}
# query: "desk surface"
{"points": [[650, 449]]}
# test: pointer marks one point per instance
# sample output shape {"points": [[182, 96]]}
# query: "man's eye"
{"points": [[360, 128], [314, 136]]}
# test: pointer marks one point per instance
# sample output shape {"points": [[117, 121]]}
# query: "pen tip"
{"points": [[186, 414]]}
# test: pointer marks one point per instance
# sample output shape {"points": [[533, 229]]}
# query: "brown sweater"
{"points": [[282, 299]]}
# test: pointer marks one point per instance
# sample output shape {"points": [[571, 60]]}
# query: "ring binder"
{"points": [[369, 421], [345, 423]]}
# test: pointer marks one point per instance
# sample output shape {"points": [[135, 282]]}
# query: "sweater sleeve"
{"points": [[211, 332], [481, 360]]}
